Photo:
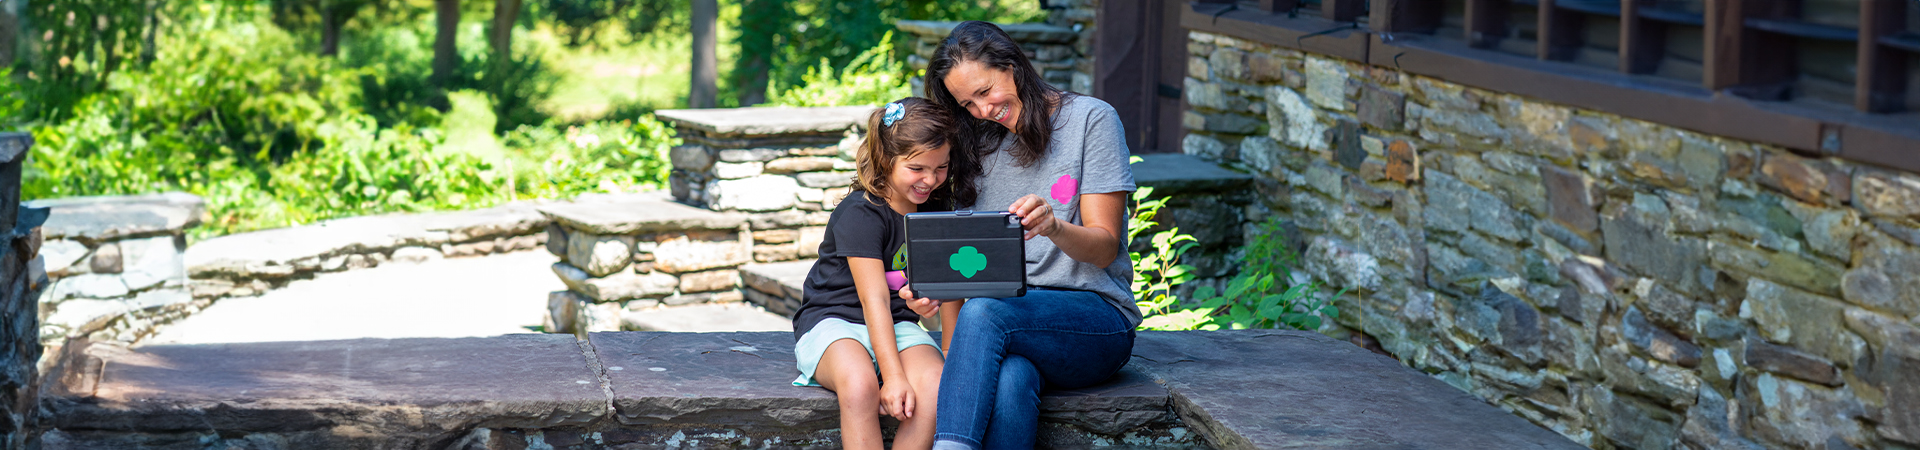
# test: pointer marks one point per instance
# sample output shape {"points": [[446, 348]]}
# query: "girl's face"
{"points": [[985, 92], [913, 179]]}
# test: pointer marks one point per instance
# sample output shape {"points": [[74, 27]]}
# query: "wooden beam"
{"points": [[1343, 10], [1881, 83], [1486, 22], [1642, 41]]}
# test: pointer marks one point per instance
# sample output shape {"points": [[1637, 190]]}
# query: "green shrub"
{"points": [[233, 110], [12, 101], [872, 78], [1267, 293]]}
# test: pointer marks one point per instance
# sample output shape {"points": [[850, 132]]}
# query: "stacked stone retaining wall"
{"points": [[116, 265], [1624, 283], [1055, 50]]}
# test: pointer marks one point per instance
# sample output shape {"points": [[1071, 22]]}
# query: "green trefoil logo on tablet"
{"points": [[967, 261]]}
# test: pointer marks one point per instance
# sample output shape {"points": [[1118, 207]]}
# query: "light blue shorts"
{"points": [[813, 345]]}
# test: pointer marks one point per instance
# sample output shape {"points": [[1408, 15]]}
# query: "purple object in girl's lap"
{"points": [[896, 279]]}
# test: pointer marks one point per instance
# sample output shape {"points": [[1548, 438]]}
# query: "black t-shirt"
{"points": [[862, 226]]}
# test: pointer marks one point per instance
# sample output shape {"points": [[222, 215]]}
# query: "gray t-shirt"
{"points": [[1087, 155]]}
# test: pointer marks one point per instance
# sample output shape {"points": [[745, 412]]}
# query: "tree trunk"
{"points": [[9, 32], [705, 73], [505, 13], [445, 57], [333, 17], [759, 20], [149, 39]]}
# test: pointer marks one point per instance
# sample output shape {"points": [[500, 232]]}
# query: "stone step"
{"points": [[775, 286], [1227, 389], [1173, 173]]}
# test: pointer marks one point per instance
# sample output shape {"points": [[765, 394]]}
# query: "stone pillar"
{"points": [[22, 276], [623, 257]]}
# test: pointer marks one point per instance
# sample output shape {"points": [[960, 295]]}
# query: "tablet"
{"points": [[958, 255]]}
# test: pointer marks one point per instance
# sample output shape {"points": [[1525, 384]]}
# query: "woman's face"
{"points": [[985, 92]]}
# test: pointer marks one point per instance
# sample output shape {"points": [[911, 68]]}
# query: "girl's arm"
{"points": [[949, 315], [876, 305], [1097, 242]]}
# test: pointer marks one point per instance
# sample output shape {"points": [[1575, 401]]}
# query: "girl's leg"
{"points": [[923, 364], [1071, 339], [1016, 410], [847, 370]]}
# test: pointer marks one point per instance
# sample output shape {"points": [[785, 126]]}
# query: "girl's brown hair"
{"points": [[923, 126]]}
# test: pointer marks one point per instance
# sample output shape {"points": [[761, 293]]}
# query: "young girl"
{"points": [[852, 320]]}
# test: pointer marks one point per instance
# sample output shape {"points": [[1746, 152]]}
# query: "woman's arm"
{"points": [[876, 305], [1097, 242]]}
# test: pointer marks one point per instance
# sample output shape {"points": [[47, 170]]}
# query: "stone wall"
{"points": [[1055, 51], [117, 265], [623, 257], [1624, 283], [23, 276]]}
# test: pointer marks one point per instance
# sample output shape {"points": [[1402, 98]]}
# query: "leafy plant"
{"points": [[1265, 294], [872, 78], [1268, 293], [1158, 272]]}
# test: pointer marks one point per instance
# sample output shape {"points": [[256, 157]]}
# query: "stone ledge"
{"points": [[1227, 387], [284, 252], [1021, 32], [638, 214], [768, 120], [95, 219], [1171, 173]]}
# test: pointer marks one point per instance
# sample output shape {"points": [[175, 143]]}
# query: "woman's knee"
{"points": [[981, 312]]}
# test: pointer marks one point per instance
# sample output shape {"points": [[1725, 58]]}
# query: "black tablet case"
{"points": [[934, 238]]}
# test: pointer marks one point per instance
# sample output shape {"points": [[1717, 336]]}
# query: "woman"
{"points": [[1059, 161]]}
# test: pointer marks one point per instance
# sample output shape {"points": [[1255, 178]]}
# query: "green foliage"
{"points": [[580, 20], [781, 40], [1268, 293], [12, 101], [872, 78], [232, 109], [396, 64], [81, 43], [1265, 294]]}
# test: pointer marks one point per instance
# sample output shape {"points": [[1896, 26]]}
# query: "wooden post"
{"points": [[1403, 16], [1486, 22], [1734, 53], [1881, 83], [1342, 10], [1276, 6], [1641, 40], [705, 74], [1559, 36]]}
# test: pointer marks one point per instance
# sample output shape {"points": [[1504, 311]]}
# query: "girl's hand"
{"points": [[896, 399], [1036, 216], [925, 307]]}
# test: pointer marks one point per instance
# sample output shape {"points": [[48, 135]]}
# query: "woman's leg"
{"points": [[1016, 410], [923, 364], [1071, 338], [847, 370]]}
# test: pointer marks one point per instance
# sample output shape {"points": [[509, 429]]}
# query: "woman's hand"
{"points": [[1036, 216], [896, 399]]}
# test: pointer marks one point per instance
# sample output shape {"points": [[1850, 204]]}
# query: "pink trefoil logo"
{"points": [[1065, 188]]}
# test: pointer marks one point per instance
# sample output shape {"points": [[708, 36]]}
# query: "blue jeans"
{"points": [[1006, 349]]}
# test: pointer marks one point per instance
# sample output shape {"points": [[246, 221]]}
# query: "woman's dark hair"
{"points": [[922, 126], [987, 44]]}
